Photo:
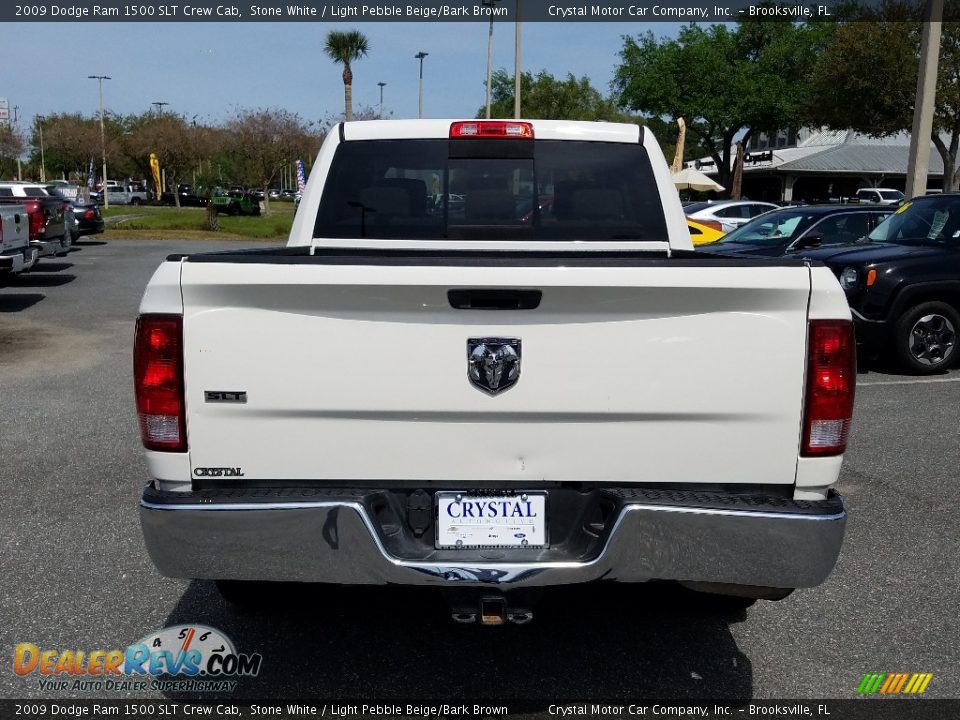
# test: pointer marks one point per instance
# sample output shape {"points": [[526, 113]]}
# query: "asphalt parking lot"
{"points": [[74, 573]]}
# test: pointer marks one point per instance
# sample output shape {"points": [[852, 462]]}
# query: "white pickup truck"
{"points": [[126, 194], [490, 360]]}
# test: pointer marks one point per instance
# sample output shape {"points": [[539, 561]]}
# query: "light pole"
{"points": [[381, 84], [43, 165], [489, 4], [918, 162], [420, 56], [103, 141], [159, 106], [16, 115], [516, 69]]}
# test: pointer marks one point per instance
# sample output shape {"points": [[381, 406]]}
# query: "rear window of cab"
{"points": [[490, 189]]}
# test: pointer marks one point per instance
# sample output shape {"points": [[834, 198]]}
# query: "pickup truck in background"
{"points": [[125, 195], [468, 396], [16, 255], [47, 225]]}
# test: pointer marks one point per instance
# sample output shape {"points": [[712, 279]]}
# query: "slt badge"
{"points": [[493, 364]]}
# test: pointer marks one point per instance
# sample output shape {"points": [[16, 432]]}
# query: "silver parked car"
{"points": [[731, 214]]}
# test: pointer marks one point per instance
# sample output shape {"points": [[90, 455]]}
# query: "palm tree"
{"points": [[346, 47]]}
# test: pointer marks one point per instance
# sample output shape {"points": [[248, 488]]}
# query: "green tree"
{"points": [[181, 146], [70, 142], [723, 81], [873, 64], [265, 140], [666, 132], [177, 143], [547, 98], [345, 48], [11, 147]]}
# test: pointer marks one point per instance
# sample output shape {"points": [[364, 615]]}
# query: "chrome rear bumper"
{"points": [[47, 246], [331, 537], [18, 261]]}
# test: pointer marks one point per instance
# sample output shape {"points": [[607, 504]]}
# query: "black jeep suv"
{"points": [[903, 282]]}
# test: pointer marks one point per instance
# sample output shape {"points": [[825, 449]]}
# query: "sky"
{"points": [[209, 70]]}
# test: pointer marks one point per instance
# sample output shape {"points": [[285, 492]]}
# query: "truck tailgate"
{"points": [[685, 373]]}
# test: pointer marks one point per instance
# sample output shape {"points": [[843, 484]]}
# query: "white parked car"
{"points": [[731, 214], [476, 399], [880, 196]]}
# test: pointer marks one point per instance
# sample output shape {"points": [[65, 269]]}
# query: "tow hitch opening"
{"points": [[491, 609]]}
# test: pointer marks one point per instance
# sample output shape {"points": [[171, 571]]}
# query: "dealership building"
{"points": [[821, 165]]}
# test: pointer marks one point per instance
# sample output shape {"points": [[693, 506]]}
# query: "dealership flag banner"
{"points": [[301, 180], [155, 171]]}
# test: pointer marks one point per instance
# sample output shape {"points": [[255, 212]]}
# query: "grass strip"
{"points": [[189, 223]]}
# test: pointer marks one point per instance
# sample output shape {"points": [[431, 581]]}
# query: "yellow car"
{"points": [[704, 232]]}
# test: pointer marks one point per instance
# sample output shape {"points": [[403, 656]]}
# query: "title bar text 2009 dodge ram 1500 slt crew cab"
{"points": [[489, 359]]}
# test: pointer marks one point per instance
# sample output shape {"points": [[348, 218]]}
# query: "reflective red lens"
{"points": [[38, 223], [158, 382], [491, 129], [831, 380]]}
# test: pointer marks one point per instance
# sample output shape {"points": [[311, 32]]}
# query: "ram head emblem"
{"points": [[493, 364]]}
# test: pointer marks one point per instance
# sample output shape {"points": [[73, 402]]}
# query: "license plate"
{"points": [[503, 521]]}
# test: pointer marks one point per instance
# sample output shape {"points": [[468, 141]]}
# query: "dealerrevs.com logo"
{"points": [[180, 657], [894, 684]]}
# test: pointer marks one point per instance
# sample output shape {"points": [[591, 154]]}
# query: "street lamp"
{"points": [[159, 106], [43, 165], [420, 56], [103, 141], [489, 4], [516, 69], [381, 84], [16, 115]]}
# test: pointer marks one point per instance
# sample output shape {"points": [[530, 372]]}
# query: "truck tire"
{"points": [[135, 201], [233, 210], [925, 337]]}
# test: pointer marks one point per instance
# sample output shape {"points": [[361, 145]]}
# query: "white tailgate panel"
{"points": [[654, 374]]}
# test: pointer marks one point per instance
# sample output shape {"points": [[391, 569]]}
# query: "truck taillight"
{"points": [[158, 382], [491, 129], [831, 380], [37, 221]]}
